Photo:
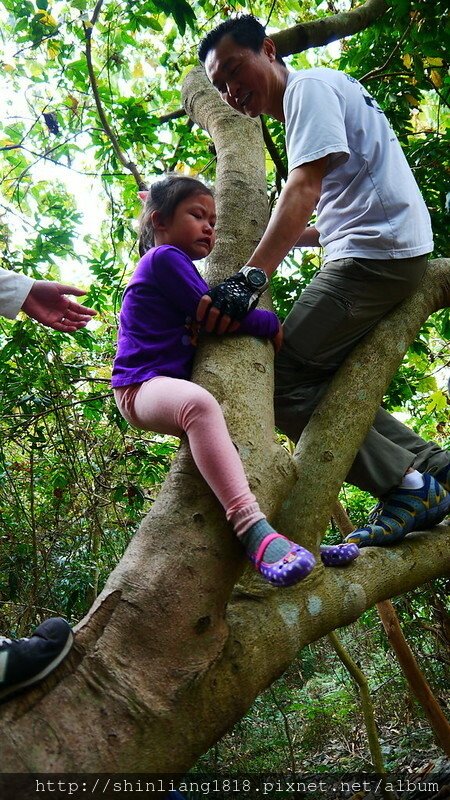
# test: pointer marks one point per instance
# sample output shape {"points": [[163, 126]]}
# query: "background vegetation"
{"points": [[91, 109]]}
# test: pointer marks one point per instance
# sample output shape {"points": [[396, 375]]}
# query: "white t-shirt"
{"points": [[370, 205]]}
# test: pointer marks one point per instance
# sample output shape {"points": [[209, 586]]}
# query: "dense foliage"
{"points": [[91, 111]]}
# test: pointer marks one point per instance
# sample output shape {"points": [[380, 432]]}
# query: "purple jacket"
{"points": [[157, 328]]}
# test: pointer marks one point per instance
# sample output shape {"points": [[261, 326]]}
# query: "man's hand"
{"points": [[47, 302], [226, 305], [277, 340]]}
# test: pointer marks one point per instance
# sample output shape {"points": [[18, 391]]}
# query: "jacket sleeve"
{"points": [[179, 281], [260, 322], [14, 289]]}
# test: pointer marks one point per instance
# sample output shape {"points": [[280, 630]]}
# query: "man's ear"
{"points": [[270, 48]]}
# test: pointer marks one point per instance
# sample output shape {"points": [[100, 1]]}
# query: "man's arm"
{"points": [[293, 210], [296, 203]]}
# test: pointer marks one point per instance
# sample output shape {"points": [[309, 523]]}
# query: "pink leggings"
{"points": [[175, 406]]}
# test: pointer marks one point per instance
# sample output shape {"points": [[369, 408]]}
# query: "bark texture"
{"points": [[169, 657], [320, 32]]}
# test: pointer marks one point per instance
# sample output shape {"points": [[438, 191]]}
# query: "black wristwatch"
{"points": [[256, 279]]}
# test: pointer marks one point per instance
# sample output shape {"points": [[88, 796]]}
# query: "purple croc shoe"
{"points": [[290, 569], [338, 555]]}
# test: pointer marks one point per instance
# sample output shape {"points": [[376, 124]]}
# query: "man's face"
{"points": [[242, 77]]}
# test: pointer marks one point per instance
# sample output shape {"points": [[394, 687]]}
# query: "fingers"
{"points": [[277, 340], [213, 319], [210, 316], [203, 306], [224, 324], [210, 321], [66, 326], [219, 323], [79, 310], [65, 289], [72, 318]]}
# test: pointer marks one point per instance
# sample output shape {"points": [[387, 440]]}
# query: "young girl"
{"points": [[153, 365]]}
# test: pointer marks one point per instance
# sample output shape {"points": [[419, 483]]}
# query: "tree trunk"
{"points": [[169, 658]]}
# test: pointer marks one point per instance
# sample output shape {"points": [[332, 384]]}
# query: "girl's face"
{"points": [[192, 227]]}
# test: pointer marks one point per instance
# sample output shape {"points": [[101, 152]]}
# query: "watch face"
{"points": [[256, 278]]}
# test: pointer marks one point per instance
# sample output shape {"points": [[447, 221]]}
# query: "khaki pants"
{"points": [[343, 302]]}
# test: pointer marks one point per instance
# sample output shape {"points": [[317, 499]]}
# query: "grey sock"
{"points": [[253, 537]]}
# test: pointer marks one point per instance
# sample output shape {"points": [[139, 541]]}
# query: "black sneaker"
{"points": [[24, 662]]}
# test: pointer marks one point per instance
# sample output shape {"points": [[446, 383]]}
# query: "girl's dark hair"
{"points": [[245, 30], [164, 196]]}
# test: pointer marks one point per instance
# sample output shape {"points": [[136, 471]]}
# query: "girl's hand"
{"points": [[277, 340]]}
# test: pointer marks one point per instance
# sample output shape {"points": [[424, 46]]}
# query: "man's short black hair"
{"points": [[245, 30]]}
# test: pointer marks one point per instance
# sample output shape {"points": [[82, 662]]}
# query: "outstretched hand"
{"points": [[47, 303]]}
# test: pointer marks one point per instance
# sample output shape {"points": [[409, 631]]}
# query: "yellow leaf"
{"points": [[35, 69], [72, 103], [407, 60], [7, 67], [53, 49], [412, 100], [185, 169], [436, 78], [6, 142], [434, 62], [47, 19], [438, 401], [138, 72]]}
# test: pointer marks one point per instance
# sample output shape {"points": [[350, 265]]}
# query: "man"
{"points": [[346, 163], [24, 662]]}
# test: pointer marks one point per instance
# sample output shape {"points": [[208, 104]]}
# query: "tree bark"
{"points": [[320, 32], [168, 657]]}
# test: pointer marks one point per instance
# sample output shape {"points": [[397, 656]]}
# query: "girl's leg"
{"points": [[174, 406]]}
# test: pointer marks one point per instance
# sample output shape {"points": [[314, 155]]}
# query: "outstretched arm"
{"points": [[47, 302], [297, 201]]}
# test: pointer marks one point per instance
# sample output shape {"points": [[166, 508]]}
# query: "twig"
{"points": [[366, 703], [287, 731], [172, 115], [395, 50], [273, 152], [101, 113]]}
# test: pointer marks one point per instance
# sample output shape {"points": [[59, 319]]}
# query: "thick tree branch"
{"points": [[328, 29]]}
